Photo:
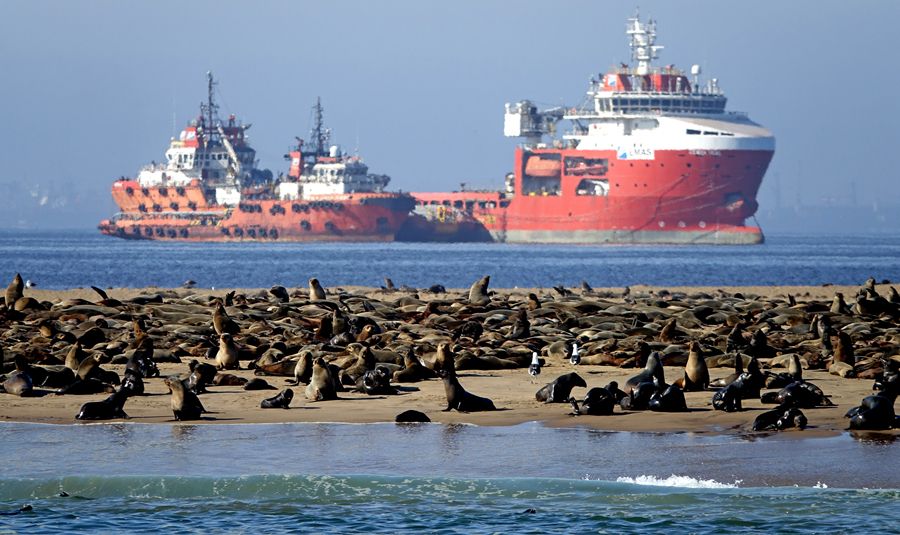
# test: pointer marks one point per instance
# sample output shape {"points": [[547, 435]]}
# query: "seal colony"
{"points": [[712, 360]]}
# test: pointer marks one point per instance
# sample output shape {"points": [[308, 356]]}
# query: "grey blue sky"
{"points": [[89, 89]]}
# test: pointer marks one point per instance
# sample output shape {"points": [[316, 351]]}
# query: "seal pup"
{"points": [[185, 404], [780, 418], [376, 382], [109, 408], [461, 400], [202, 374], [133, 383], [321, 385], [597, 402], [559, 390], [478, 292], [316, 291], [227, 355], [281, 401], [728, 399], [142, 362]]}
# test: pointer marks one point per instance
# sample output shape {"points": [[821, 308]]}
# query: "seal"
{"points": [[653, 369], [321, 385], [142, 362], [132, 382], [228, 379], [227, 355], [413, 370], [108, 409], [597, 402], [202, 374], [522, 327], [316, 292], [376, 382], [303, 369], [411, 417], [18, 383], [185, 404], [478, 292], [14, 291], [461, 400], [281, 401], [728, 399], [803, 395], [559, 390], [877, 412], [670, 400], [365, 361], [258, 384], [780, 418], [222, 323], [696, 373]]}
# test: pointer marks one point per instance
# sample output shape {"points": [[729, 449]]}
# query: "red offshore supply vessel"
{"points": [[651, 156], [209, 189]]}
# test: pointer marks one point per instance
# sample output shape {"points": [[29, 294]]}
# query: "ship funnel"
{"points": [[334, 151]]}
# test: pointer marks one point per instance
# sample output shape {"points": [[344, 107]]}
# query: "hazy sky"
{"points": [[89, 89]]}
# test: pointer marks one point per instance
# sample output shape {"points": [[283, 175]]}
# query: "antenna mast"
{"points": [[318, 133]]}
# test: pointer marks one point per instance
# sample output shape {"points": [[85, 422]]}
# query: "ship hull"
{"points": [[678, 197], [349, 218]]}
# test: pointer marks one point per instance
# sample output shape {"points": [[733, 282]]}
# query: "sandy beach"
{"points": [[512, 390]]}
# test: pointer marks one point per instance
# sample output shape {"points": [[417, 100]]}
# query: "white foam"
{"points": [[687, 482]]}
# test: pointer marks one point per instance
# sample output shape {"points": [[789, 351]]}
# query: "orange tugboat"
{"points": [[209, 189], [651, 156]]}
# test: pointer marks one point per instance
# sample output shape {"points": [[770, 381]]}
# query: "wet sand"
{"points": [[511, 390]]}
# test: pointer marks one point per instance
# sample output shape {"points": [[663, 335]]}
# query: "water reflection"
{"points": [[875, 437]]}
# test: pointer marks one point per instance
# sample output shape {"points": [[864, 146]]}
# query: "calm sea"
{"points": [[340, 478], [336, 478], [67, 259]]}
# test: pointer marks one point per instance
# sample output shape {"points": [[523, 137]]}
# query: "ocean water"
{"points": [[67, 259], [341, 478]]}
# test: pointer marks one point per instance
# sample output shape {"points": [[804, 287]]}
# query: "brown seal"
{"points": [[18, 383], [321, 385], [478, 293], [460, 399], [227, 356], [413, 370], [696, 374], [316, 291], [222, 323], [185, 404], [302, 369], [14, 291]]}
